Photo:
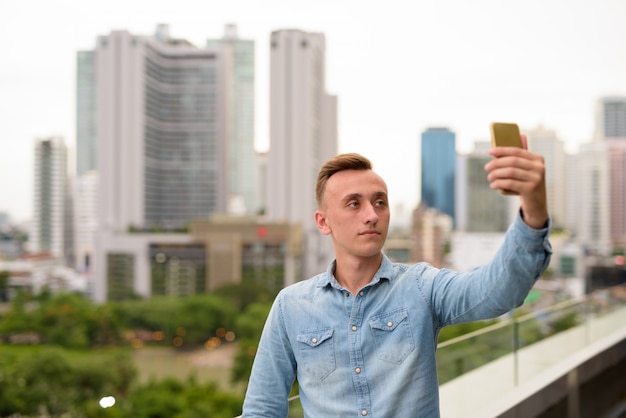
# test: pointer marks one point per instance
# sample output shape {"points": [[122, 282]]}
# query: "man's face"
{"points": [[355, 213]]}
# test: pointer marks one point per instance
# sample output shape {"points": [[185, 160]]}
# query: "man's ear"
{"points": [[320, 221]]}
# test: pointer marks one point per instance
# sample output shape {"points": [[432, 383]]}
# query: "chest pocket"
{"points": [[317, 352], [392, 335]]}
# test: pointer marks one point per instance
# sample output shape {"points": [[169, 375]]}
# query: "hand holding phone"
{"points": [[505, 135]]}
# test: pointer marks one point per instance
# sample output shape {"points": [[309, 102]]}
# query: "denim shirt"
{"points": [[373, 354]]}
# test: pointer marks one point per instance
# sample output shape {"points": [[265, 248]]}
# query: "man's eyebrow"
{"points": [[357, 196], [352, 196]]}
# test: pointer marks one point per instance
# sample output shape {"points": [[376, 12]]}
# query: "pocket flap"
{"points": [[388, 321], [313, 338]]}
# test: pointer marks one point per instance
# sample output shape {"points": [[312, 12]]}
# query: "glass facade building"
{"points": [[439, 169]]}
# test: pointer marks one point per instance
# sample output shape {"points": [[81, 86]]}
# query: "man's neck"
{"points": [[354, 273]]}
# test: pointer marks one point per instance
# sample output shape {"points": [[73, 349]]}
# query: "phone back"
{"points": [[505, 135]]}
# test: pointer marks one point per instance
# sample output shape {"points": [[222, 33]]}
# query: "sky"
{"points": [[397, 68]]}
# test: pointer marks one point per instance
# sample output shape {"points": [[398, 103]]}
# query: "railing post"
{"points": [[516, 344]]}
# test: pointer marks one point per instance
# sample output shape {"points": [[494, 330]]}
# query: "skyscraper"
{"points": [[545, 142], [170, 119], [161, 130], [438, 169], [240, 124], [610, 118], [303, 135], [593, 229], [478, 207], [617, 190], [611, 130], [48, 232], [85, 112]]}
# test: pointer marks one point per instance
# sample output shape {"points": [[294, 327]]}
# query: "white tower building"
{"points": [[594, 229], [50, 194], [545, 142], [86, 220], [163, 127], [303, 135]]}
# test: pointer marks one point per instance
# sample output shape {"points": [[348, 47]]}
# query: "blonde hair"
{"points": [[341, 162]]}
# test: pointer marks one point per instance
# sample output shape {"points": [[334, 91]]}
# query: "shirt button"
{"points": [[361, 293], [314, 340], [357, 370], [347, 294], [390, 324], [354, 328], [364, 412]]}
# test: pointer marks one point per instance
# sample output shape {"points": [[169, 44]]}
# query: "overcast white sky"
{"points": [[397, 67]]}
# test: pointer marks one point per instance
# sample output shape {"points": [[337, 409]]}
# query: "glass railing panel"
{"points": [[471, 351], [535, 351]]}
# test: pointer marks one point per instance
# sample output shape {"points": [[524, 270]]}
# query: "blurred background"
{"points": [[158, 166]]}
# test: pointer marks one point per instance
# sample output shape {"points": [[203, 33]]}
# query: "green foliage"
{"points": [[57, 381], [19, 319], [170, 398], [65, 319], [194, 319], [454, 331]]}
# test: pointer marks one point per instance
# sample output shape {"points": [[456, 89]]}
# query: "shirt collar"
{"points": [[385, 272]]}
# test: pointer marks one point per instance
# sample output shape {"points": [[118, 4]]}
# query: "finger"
{"points": [[524, 141]]}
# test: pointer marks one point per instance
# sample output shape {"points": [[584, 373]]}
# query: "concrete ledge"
{"points": [[585, 384]]}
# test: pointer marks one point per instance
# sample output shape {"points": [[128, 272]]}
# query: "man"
{"points": [[361, 337]]}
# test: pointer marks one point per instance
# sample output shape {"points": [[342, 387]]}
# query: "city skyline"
{"points": [[423, 66]]}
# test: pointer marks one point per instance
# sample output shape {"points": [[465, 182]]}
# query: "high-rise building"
{"points": [[241, 154], [161, 130], [303, 135], [430, 235], [594, 229], [48, 232], [169, 117], [617, 190], [571, 193], [85, 112], [478, 207], [438, 169], [545, 142], [610, 118], [86, 220]]}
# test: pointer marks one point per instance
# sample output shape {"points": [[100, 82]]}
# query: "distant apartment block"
{"points": [[85, 220], [168, 121], [242, 197], [478, 207], [545, 142], [303, 135], [217, 252], [430, 234], [48, 233], [594, 229], [617, 191], [610, 118]]}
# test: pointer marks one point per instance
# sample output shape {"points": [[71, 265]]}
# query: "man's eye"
{"points": [[380, 203], [353, 204]]}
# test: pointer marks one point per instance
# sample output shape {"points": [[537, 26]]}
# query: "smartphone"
{"points": [[505, 135]]}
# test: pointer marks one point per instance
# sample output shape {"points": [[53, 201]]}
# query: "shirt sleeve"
{"points": [[273, 371], [496, 287]]}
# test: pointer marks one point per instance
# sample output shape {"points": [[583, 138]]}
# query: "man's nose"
{"points": [[371, 216]]}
